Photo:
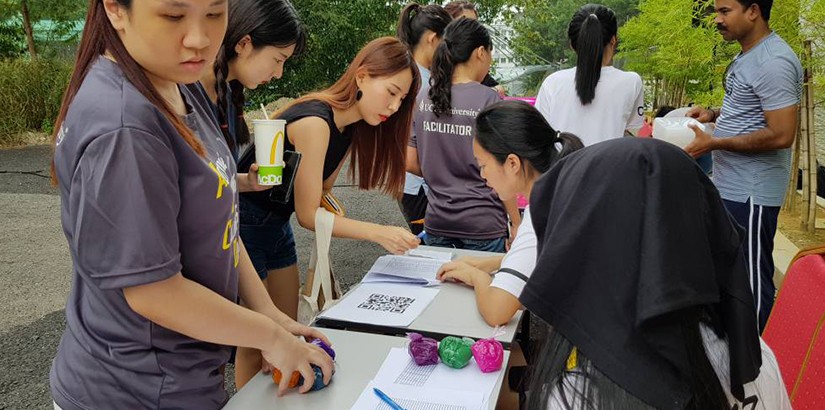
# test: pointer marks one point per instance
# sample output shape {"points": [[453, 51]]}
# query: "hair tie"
{"points": [[594, 15], [558, 136], [449, 53]]}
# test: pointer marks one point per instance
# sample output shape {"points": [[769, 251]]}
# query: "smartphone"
{"points": [[280, 194]]}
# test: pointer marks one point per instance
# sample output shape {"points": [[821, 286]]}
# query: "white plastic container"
{"points": [[675, 130]]}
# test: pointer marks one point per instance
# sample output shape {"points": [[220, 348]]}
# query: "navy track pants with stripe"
{"points": [[760, 223]]}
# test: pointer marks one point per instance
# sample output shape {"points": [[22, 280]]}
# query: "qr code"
{"points": [[385, 303]]}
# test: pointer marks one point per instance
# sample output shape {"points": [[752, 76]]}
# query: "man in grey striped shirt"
{"points": [[755, 129]]}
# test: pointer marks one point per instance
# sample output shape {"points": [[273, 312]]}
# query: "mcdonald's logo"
{"points": [[274, 148]]}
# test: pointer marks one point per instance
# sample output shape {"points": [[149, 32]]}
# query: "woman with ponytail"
{"points": [[514, 146], [464, 8], [463, 212], [366, 115], [593, 100], [150, 217], [421, 28]]}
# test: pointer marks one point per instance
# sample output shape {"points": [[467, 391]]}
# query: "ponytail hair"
{"points": [[267, 23], [590, 31], [461, 38], [528, 135], [415, 20]]}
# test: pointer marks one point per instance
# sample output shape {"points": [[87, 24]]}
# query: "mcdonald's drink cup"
{"points": [[269, 150]]}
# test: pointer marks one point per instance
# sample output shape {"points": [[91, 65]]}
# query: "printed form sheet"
{"points": [[400, 371]]}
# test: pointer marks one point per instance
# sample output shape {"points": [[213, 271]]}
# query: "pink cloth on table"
{"points": [[646, 130], [529, 100], [522, 201]]}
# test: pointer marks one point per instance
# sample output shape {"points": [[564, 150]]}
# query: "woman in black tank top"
{"points": [[367, 113]]}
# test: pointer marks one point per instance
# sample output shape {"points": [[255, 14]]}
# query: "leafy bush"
{"points": [[30, 94]]}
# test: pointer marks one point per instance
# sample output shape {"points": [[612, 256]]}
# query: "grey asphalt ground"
{"points": [[35, 268]]}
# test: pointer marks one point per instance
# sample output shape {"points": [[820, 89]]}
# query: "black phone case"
{"points": [[282, 193], [279, 193]]}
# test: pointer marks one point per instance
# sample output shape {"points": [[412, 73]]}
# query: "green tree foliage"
{"points": [[490, 10], [337, 30], [813, 28], [55, 24], [684, 59], [11, 40], [674, 44], [63, 15]]}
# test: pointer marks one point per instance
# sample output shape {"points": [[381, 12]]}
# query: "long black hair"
{"points": [[268, 23], [590, 31], [585, 387], [416, 19], [528, 135], [461, 38]]}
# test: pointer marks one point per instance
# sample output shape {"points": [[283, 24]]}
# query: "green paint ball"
{"points": [[455, 352]]}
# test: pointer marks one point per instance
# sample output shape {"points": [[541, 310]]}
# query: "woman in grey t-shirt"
{"points": [[421, 28], [149, 209], [463, 212]]}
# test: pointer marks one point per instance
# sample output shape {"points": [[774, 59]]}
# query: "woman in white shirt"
{"points": [[593, 100], [510, 163]]}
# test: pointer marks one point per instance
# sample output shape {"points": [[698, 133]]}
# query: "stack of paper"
{"points": [[405, 270], [443, 256]]}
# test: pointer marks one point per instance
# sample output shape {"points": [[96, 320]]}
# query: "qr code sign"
{"points": [[386, 303]]}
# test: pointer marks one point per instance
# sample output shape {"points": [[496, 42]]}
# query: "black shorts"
{"points": [[414, 207]]}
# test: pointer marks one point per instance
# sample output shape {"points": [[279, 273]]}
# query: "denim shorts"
{"points": [[268, 238], [486, 245]]}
